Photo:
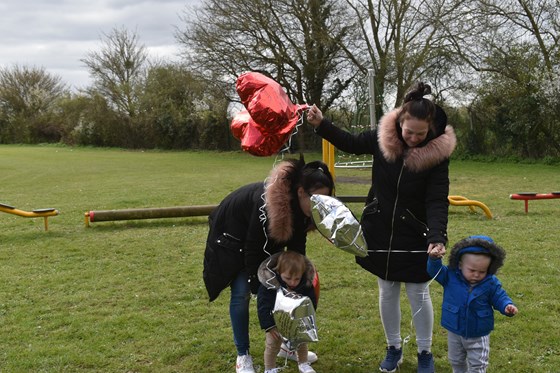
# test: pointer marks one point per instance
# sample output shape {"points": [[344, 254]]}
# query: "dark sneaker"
{"points": [[392, 360], [425, 362]]}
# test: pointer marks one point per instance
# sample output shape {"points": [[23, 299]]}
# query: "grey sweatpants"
{"points": [[422, 312], [468, 355]]}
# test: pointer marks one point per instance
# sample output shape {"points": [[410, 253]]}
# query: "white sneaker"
{"points": [[306, 368], [273, 370], [244, 364], [292, 355]]}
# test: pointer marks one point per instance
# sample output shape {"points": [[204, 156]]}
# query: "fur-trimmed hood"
{"points": [[438, 148], [270, 279], [478, 244], [279, 200]]}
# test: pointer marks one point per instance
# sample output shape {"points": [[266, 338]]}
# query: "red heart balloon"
{"points": [[243, 128], [270, 111]]}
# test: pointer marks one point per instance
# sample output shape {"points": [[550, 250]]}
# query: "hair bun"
{"points": [[417, 92]]}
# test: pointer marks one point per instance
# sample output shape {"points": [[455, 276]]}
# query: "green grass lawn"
{"points": [[128, 296]]}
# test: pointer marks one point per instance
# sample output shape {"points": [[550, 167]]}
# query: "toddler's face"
{"points": [[291, 279], [474, 267]]}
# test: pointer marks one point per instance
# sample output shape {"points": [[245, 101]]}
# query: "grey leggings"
{"points": [[422, 311]]}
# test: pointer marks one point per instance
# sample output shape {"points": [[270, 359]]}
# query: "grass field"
{"points": [[128, 296]]}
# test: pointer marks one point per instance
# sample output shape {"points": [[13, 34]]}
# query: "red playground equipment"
{"points": [[527, 196]]}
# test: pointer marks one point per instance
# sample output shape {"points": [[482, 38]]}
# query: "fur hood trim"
{"points": [[269, 278], [478, 244], [278, 199], [419, 158]]}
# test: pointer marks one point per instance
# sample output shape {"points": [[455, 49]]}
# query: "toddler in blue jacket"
{"points": [[471, 293]]}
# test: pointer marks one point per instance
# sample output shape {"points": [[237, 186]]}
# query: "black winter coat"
{"points": [[237, 240], [407, 203]]}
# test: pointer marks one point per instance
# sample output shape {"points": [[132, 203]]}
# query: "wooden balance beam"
{"points": [[38, 213], [148, 213], [529, 196], [204, 210]]}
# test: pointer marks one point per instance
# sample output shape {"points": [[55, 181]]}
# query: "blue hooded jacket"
{"points": [[468, 310]]}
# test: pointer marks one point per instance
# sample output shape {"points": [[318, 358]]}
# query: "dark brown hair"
{"points": [[311, 176], [415, 105]]}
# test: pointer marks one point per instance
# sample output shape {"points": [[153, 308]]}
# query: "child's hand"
{"points": [[436, 250], [511, 310]]}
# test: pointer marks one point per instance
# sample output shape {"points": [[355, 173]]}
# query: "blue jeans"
{"points": [[239, 312]]}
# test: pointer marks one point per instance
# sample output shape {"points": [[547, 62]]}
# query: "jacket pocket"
{"points": [[410, 220], [450, 316], [484, 320], [371, 208], [230, 242]]}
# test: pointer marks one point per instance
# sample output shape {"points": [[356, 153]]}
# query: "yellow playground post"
{"points": [[38, 213]]}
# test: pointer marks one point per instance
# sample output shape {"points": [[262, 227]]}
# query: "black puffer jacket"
{"points": [[236, 239], [407, 203]]}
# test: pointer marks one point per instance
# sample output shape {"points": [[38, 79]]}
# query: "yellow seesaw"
{"points": [[463, 201], [39, 213]]}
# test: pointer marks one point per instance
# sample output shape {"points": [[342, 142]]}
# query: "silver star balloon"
{"points": [[295, 318], [335, 221]]}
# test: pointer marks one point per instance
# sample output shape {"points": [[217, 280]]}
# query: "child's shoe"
{"points": [[292, 355], [244, 364], [425, 362], [273, 370], [306, 368], [393, 359]]}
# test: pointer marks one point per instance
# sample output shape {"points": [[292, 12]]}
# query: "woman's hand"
{"points": [[314, 116]]}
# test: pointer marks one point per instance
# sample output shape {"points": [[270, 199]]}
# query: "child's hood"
{"points": [[270, 279], [478, 244]]}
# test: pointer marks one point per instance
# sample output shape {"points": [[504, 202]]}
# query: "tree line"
{"points": [[493, 64]]}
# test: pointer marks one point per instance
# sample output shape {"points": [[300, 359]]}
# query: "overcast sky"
{"points": [[56, 34]]}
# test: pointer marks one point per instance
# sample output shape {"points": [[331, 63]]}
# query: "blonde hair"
{"points": [[291, 262]]}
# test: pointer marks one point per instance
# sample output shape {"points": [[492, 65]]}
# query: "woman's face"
{"points": [[304, 198], [414, 130]]}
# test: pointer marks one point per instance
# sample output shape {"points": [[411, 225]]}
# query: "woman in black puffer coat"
{"points": [[252, 223], [406, 210]]}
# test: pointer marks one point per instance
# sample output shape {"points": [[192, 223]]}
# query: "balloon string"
{"points": [[397, 251], [263, 219], [294, 132], [407, 338]]}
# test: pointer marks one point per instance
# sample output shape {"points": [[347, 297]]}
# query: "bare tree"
{"points": [[403, 41], [514, 44], [118, 69], [496, 27], [296, 42]]}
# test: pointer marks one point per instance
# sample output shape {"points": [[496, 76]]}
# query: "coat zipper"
{"points": [[393, 223]]}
